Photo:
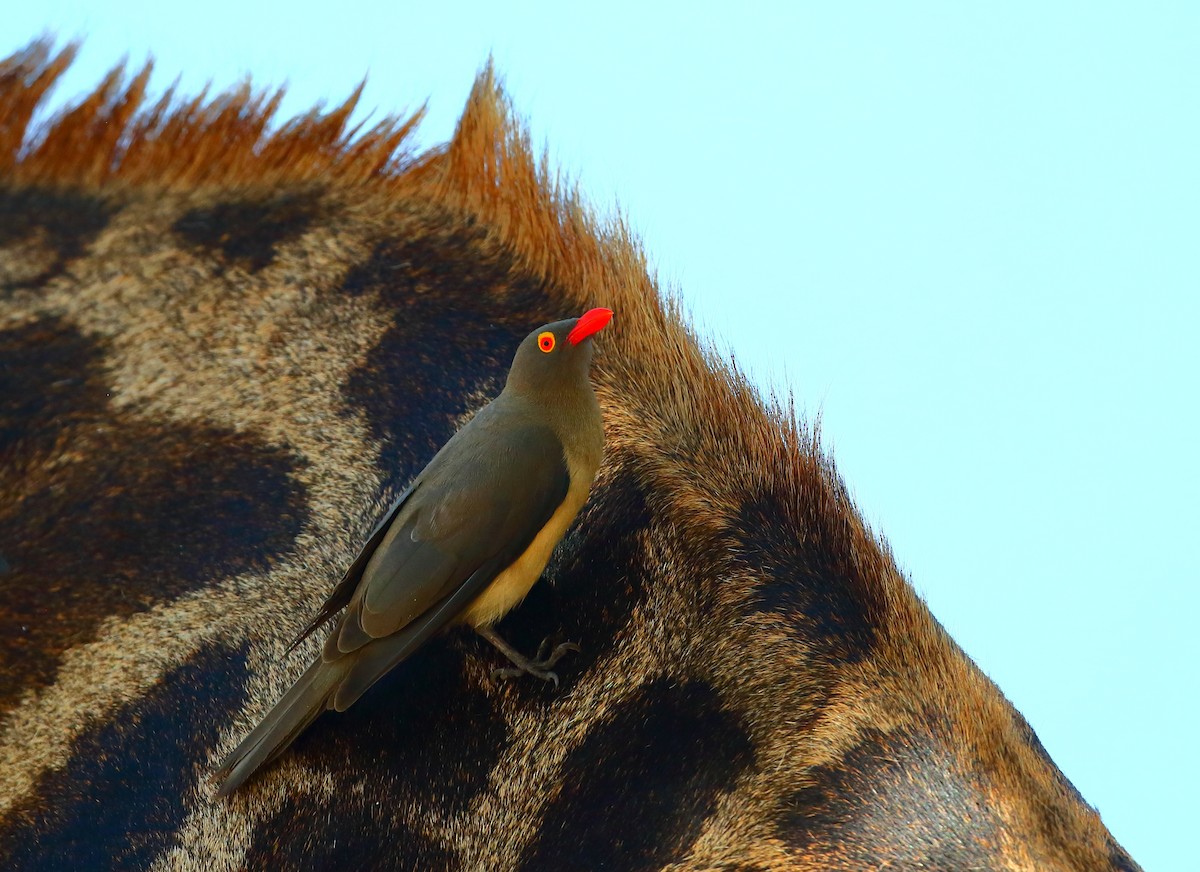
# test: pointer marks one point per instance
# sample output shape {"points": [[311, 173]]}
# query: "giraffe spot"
{"points": [[51, 377], [346, 831], [423, 730], [459, 310], [896, 800], [42, 230], [809, 581], [637, 790], [110, 514], [249, 231], [124, 793]]}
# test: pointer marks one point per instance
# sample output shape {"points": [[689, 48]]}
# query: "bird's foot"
{"points": [[539, 666]]}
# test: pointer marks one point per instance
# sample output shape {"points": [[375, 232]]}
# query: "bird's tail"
{"points": [[298, 708]]}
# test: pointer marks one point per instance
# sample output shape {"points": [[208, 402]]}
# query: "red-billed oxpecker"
{"points": [[464, 543]]}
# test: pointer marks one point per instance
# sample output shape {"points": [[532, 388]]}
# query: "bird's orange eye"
{"points": [[546, 341]]}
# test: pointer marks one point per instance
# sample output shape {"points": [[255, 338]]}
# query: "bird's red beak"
{"points": [[592, 321]]}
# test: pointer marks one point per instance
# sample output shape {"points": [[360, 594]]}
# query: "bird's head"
{"points": [[557, 356]]}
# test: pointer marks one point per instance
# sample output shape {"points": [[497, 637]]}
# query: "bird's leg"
{"points": [[539, 667]]}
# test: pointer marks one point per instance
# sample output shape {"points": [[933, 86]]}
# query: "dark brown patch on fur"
{"points": [[51, 377], [810, 581], [249, 231], [461, 308], [345, 831], [116, 514], [64, 220], [422, 732], [423, 727], [124, 793], [591, 587], [638, 789], [897, 800]]}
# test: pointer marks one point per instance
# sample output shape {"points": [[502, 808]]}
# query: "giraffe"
{"points": [[226, 344]]}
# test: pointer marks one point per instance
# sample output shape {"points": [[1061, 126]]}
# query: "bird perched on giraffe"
{"points": [[463, 544]]}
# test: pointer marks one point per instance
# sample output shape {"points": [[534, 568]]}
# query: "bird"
{"points": [[463, 544]]}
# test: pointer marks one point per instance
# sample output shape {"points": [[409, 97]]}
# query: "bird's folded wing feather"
{"points": [[344, 592], [482, 506]]}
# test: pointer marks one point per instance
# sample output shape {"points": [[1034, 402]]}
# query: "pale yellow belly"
{"points": [[511, 585]]}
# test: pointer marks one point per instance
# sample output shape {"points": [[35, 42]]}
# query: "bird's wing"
{"points": [[344, 592], [479, 507]]}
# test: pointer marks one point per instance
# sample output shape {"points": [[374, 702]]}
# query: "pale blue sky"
{"points": [[966, 235]]}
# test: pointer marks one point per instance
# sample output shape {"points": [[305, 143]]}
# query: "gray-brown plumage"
{"points": [[464, 543]]}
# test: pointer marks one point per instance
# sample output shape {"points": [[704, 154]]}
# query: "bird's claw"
{"points": [[555, 655], [539, 667], [506, 672]]}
